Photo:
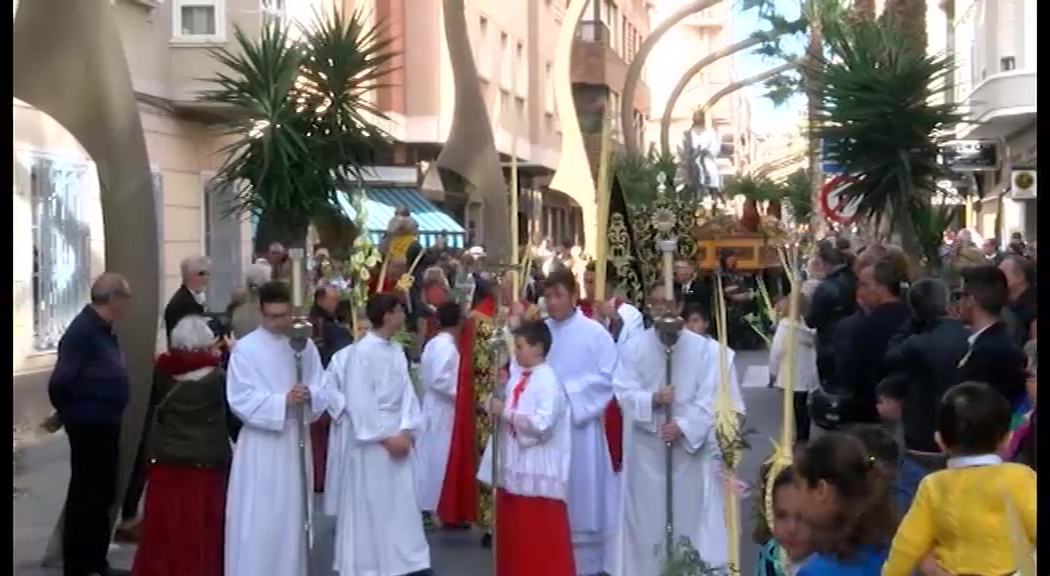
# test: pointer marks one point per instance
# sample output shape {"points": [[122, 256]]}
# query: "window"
{"points": [[506, 74], [275, 12], [199, 21], [548, 88], [61, 247], [483, 57], [521, 67], [519, 115]]}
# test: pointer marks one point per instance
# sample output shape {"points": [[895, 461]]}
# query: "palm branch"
{"points": [[300, 123]]}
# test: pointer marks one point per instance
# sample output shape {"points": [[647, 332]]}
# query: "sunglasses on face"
{"points": [[204, 273]]}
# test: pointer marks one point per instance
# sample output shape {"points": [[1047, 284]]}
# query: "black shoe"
{"points": [[486, 540]]}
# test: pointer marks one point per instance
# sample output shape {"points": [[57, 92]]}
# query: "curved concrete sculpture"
{"points": [[470, 149], [634, 71], [760, 77], [53, 41], [683, 82], [573, 175]]}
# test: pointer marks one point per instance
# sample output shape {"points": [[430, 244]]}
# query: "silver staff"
{"points": [[668, 326], [499, 351], [298, 337]]}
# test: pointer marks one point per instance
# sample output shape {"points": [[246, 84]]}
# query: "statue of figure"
{"points": [[700, 147]]}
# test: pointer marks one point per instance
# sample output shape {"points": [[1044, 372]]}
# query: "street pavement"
{"points": [[41, 480]]}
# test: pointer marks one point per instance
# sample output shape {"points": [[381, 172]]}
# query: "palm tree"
{"points": [[909, 17], [302, 125], [873, 74], [755, 189], [638, 174]]}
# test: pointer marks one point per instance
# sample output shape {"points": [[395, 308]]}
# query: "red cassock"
{"points": [[613, 418], [182, 529], [388, 284], [319, 448], [458, 502]]}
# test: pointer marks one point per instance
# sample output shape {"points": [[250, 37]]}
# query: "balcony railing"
{"points": [[592, 31]]}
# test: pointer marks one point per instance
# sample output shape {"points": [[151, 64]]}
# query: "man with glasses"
{"points": [[264, 509], [89, 390], [189, 299]]}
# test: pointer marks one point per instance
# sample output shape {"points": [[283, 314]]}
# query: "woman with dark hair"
{"points": [[833, 299], [926, 352], [738, 291]]}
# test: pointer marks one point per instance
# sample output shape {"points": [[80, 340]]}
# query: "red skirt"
{"points": [[183, 522], [533, 537], [319, 448]]}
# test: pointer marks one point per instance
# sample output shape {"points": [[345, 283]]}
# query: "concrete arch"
{"points": [[760, 77], [574, 171], [634, 71], [683, 82], [470, 149], [53, 39]]}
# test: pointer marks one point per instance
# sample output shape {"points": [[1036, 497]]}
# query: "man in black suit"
{"points": [[688, 288], [188, 299], [994, 357]]}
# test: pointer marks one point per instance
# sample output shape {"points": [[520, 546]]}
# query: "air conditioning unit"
{"points": [[1023, 184]]}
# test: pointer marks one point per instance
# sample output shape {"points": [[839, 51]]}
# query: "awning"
{"points": [[380, 204]]}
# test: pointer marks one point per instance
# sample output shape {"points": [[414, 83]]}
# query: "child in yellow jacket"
{"points": [[978, 515]]}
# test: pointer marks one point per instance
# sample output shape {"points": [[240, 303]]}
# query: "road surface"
{"points": [[41, 483]]}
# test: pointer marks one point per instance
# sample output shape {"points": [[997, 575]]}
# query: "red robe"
{"points": [[613, 417], [458, 502], [389, 284]]}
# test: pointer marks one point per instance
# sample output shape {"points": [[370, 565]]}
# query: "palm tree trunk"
{"points": [[818, 222], [909, 16]]}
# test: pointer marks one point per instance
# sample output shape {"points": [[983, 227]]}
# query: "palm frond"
{"points": [[877, 114], [302, 123]]}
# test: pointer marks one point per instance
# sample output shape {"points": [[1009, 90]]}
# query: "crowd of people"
{"points": [[571, 426]]}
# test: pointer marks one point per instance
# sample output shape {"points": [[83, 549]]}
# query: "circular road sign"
{"points": [[834, 203]]}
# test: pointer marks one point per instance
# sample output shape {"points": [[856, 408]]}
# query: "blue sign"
{"points": [[829, 166]]}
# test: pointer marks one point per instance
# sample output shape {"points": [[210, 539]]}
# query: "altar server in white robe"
{"points": [[439, 375], [583, 356], [535, 455], [379, 531], [641, 388], [338, 431], [264, 509]]}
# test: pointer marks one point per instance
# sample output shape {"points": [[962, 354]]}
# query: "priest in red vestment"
{"points": [[461, 494]]}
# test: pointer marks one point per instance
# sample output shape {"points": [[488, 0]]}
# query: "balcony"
{"points": [[591, 31], [1001, 104], [596, 63]]}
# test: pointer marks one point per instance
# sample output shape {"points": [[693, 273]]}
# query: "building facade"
{"points": [[696, 36], [607, 39], [994, 42], [59, 236]]}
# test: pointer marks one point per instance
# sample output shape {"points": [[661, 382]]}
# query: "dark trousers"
{"points": [[93, 459], [802, 420]]}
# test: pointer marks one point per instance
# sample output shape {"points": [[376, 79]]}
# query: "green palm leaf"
{"points": [[880, 118], [300, 124]]}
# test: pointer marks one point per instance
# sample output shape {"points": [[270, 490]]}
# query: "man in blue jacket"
{"points": [[89, 390]]}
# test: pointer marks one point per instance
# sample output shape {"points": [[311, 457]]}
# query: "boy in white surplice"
{"points": [[379, 531], [535, 447]]}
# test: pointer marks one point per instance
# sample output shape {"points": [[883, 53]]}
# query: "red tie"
{"points": [[515, 395]]}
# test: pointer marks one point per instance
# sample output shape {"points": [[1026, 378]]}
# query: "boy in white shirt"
{"points": [[532, 526]]}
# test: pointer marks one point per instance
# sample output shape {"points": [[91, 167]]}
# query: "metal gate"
{"points": [[61, 247], [222, 244]]}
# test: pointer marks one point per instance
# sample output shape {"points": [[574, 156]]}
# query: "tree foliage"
{"points": [[639, 174], [302, 126], [878, 113], [798, 195]]}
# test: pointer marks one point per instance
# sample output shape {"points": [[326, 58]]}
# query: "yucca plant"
{"points": [[638, 174], [754, 188], [879, 117], [301, 123], [930, 221]]}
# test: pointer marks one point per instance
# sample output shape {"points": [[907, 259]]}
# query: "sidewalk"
{"points": [[40, 489]]}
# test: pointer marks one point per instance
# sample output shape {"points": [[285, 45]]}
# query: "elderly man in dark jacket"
{"points": [[89, 390]]}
